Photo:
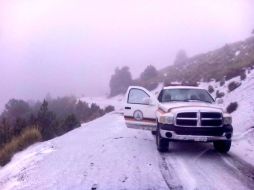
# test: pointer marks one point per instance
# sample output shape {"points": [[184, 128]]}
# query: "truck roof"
{"points": [[183, 87]]}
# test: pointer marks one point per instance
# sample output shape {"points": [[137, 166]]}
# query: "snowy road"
{"points": [[104, 154]]}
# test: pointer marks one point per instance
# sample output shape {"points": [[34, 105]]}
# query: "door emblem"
{"points": [[138, 115]]}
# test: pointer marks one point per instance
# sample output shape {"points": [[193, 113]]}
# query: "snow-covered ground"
{"points": [[116, 101], [104, 154], [243, 117], [104, 101]]}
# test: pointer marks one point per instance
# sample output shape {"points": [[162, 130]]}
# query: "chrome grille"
{"points": [[198, 119]]}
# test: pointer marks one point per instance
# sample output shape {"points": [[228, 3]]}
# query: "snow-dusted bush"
{"points": [[219, 94], [233, 85], [232, 107], [243, 76], [222, 82], [109, 109], [233, 72], [210, 89]]}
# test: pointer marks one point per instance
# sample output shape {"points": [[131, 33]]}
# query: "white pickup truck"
{"points": [[179, 113]]}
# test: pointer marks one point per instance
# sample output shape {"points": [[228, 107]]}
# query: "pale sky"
{"points": [[67, 47]]}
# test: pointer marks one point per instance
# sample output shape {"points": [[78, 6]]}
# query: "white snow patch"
{"points": [[237, 52], [243, 117], [103, 102], [157, 89], [13, 174]]}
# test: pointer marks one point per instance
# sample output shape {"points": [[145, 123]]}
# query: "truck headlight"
{"points": [[227, 120], [166, 119]]}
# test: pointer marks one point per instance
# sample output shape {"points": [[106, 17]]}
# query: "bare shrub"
{"points": [[233, 72], [243, 76], [222, 82], [233, 85], [232, 107], [210, 89], [109, 109], [219, 94], [27, 137]]}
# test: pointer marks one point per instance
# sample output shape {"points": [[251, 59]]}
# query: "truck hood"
{"points": [[190, 106]]}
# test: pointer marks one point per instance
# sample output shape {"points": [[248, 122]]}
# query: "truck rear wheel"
{"points": [[222, 146], [162, 143]]}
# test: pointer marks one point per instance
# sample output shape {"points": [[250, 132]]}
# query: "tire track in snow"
{"points": [[240, 169], [243, 135], [186, 172], [204, 168], [225, 165], [168, 174]]}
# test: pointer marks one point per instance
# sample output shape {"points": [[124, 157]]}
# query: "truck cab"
{"points": [[179, 113]]}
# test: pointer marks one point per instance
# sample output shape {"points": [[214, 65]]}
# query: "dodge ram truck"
{"points": [[179, 113]]}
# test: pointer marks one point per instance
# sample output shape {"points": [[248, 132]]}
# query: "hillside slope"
{"points": [[243, 95], [221, 64]]}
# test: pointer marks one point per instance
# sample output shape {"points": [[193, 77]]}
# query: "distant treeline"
{"points": [[122, 79], [222, 64], [50, 118]]}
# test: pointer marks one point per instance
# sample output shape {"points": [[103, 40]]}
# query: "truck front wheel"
{"points": [[222, 146], [162, 143]]}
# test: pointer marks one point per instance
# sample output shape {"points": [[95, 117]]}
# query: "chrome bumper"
{"points": [[198, 138]]}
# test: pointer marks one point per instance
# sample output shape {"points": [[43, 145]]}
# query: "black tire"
{"points": [[154, 132], [162, 143], [222, 146]]}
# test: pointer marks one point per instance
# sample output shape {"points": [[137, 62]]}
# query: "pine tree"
{"points": [[181, 58], [149, 72], [71, 122], [46, 120], [120, 81]]}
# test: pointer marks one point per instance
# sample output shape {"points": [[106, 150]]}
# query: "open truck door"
{"points": [[139, 109]]}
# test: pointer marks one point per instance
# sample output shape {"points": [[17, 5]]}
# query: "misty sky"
{"points": [[67, 47]]}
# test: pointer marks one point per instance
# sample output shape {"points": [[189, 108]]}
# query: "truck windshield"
{"points": [[185, 95]]}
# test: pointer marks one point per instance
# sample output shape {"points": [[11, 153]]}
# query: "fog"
{"points": [[65, 47]]}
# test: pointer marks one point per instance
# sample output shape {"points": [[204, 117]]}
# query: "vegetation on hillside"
{"points": [[220, 65], [27, 137], [23, 123], [233, 85], [232, 107]]}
